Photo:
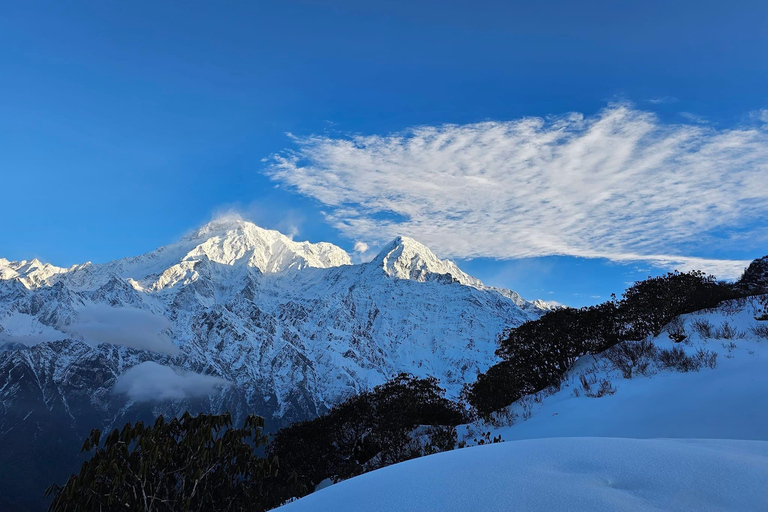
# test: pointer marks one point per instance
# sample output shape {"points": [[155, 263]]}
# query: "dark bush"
{"points": [[677, 359], [192, 463], [538, 353], [760, 330], [755, 278], [726, 331], [649, 305], [369, 431], [605, 388], [706, 358], [704, 327]]}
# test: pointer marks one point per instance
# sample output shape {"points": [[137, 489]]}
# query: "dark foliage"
{"points": [[755, 277], [192, 463], [538, 353], [369, 431], [202, 463], [649, 305]]}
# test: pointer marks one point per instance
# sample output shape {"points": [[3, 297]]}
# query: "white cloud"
{"points": [[150, 381], [662, 100], [129, 327], [760, 115], [694, 118], [619, 185], [361, 247]]}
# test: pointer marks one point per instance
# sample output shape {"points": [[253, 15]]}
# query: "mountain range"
{"points": [[232, 317]]}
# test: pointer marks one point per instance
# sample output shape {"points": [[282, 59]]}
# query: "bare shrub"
{"points": [[554, 388], [592, 388], [706, 358], [586, 383], [761, 312], [676, 330], [527, 408], [704, 327], [485, 438], [726, 331], [631, 356], [503, 418], [605, 388], [733, 306], [677, 359], [760, 330]]}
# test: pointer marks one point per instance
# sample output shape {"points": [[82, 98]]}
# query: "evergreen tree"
{"points": [[192, 463]]}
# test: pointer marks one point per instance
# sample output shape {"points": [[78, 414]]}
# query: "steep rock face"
{"points": [[294, 328]]}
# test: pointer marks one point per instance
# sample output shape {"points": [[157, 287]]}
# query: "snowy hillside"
{"points": [[664, 439], [729, 401], [565, 474]]}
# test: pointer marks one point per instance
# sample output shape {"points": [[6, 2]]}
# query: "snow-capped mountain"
{"points": [[282, 328]]}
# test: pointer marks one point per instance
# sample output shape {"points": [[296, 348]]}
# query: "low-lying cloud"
{"points": [[129, 327], [620, 185], [150, 381]]}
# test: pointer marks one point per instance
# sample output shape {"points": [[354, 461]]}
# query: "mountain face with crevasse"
{"points": [[231, 318]]}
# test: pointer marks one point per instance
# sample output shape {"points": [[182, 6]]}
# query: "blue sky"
{"points": [[126, 124]]}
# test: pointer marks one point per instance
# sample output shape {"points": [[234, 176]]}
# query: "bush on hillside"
{"points": [[369, 431], [677, 359], [632, 356], [537, 354], [755, 278]]}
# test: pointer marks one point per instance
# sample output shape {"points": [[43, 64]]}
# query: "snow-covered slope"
{"points": [[566, 474], [662, 440], [727, 402]]}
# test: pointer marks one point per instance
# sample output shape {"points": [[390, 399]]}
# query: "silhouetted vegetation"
{"points": [[192, 463], [755, 278], [203, 463], [402, 419], [537, 354]]}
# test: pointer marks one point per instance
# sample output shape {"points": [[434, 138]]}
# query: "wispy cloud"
{"points": [[662, 99], [619, 185], [760, 115], [694, 118], [150, 381]]}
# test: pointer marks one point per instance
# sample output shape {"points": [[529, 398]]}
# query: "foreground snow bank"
{"points": [[559, 474]]}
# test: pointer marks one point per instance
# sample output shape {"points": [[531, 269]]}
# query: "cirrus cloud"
{"points": [[619, 185]]}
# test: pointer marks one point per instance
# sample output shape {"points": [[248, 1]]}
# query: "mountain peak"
{"points": [[406, 258], [232, 240]]}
